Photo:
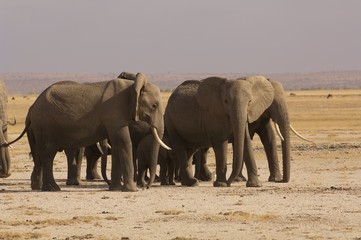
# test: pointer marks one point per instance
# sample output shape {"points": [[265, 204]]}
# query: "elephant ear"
{"points": [[140, 83], [208, 94], [262, 97], [127, 75]]}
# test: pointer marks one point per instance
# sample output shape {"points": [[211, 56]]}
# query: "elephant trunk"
{"points": [[239, 121], [281, 118], [4, 155], [157, 134], [286, 156]]}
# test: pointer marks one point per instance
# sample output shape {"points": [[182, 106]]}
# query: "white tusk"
{"points": [[155, 134], [278, 131], [299, 135], [9, 146], [99, 148], [108, 145]]}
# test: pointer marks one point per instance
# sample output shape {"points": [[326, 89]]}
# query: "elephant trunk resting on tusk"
{"points": [[155, 134], [293, 130]]}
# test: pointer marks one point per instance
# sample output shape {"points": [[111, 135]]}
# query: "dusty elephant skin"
{"points": [[5, 162], [69, 115], [208, 113]]}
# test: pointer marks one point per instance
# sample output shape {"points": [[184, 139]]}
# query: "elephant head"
{"points": [[4, 152], [237, 103]]}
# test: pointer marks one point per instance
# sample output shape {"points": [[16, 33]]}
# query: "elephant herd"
{"points": [[124, 117]]}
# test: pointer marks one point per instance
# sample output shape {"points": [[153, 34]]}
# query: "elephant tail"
{"points": [[19, 137]]}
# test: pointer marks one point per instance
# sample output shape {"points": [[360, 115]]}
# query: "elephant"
{"points": [[278, 113], [209, 112], [166, 160], [70, 115], [5, 162]]}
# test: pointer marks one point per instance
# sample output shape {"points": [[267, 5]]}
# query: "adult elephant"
{"points": [[5, 162], [70, 115], [278, 113], [207, 113]]}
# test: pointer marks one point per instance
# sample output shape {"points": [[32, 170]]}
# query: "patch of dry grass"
{"points": [[52, 221], [22, 235]]}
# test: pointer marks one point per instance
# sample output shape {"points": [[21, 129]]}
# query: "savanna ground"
{"points": [[322, 200]]}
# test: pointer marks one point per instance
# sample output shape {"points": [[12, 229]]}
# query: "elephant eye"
{"points": [[154, 106], [226, 101]]}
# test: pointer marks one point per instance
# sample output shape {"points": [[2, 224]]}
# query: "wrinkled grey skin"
{"points": [[5, 162], [70, 115], [208, 113], [137, 130], [166, 160]]}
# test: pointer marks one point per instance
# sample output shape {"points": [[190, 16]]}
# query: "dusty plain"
{"points": [[322, 200]]}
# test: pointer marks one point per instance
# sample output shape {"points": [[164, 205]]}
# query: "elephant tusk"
{"points": [[99, 148], [108, 146], [9, 146], [155, 134], [278, 131], [299, 135]]}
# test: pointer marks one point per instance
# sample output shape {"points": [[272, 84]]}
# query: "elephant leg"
{"points": [[94, 170], [240, 177], [250, 162], [92, 155], [185, 165], [122, 164], [171, 168], [205, 173], [79, 161], [197, 164], [142, 171], [268, 140], [71, 155], [37, 173], [221, 165], [47, 158], [164, 170]]}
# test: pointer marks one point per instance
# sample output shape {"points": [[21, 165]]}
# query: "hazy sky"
{"points": [[184, 36]]}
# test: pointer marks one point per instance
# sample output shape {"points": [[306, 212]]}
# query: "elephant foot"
{"points": [[2, 175], [192, 182], [35, 186], [172, 183], [253, 183], [115, 187], [206, 177], [50, 187], [164, 183], [240, 178], [73, 182], [129, 187], [219, 184], [275, 178]]}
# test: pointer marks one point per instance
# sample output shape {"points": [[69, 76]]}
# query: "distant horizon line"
{"points": [[180, 73]]}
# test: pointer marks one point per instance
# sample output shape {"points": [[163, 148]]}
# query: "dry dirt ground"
{"points": [[322, 200]]}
